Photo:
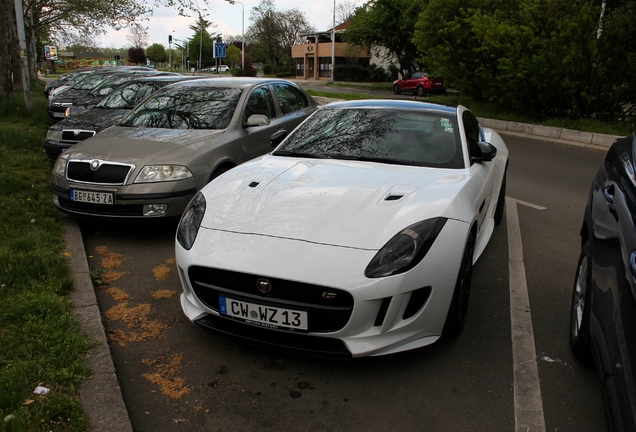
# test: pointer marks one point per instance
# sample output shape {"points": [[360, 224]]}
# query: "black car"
{"points": [[108, 112], [603, 312], [59, 102], [104, 89]]}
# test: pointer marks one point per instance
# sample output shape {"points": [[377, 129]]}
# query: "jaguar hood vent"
{"points": [[396, 194], [254, 184], [393, 197]]}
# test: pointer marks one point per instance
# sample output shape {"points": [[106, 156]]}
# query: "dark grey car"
{"points": [[173, 144], [110, 111]]}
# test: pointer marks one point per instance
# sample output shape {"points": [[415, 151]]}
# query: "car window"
{"points": [[403, 137], [260, 102], [290, 98], [128, 96], [187, 107], [472, 131]]}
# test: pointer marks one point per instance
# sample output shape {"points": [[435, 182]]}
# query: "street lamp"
{"points": [[242, 32], [333, 43]]}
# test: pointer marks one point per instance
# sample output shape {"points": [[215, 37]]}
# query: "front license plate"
{"points": [[59, 114], [264, 316], [92, 197]]}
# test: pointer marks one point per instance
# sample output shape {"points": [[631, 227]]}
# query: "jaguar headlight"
{"points": [[406, 249], [159, 173], [54, 135], [191, 221]]}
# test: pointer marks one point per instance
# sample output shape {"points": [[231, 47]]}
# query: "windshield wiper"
{"points": [[373, 159], [297, 154]]}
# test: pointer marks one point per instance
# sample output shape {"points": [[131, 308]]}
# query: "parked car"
{"points": [[100, 83], [603, 312], [420, 84], [100, 92], [221, 68], [356, 236], [63, 79], [110, 111], [174, 143]]}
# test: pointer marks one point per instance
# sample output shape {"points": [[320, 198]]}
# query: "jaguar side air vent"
{"points": [[254, 184]]}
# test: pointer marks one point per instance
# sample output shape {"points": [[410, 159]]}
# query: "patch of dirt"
{"points": [[118, 294], [171, 261], [165, 376], [161, 272], [112, 276], [136, 318], [164, 294]]}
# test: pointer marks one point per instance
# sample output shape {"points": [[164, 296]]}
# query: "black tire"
{"points": [[420, 91], [458, 311], [501, 201], [396, 89], [580, 342]]}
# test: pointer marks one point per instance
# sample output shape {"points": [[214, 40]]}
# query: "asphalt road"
{"points": [[176, 377]]}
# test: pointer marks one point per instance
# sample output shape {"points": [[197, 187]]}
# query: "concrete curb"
{"points": [[100, 394], [551, 133]]}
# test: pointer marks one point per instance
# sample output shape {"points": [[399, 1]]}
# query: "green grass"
{"points": [[481, 109], [39, 339]]}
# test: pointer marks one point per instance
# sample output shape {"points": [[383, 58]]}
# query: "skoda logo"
{"points": [[76, 132], [95, 164], [264, 285]]}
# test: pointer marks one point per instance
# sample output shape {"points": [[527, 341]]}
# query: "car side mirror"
{"points": [[485, 152], [256, 120], [278, 137]]}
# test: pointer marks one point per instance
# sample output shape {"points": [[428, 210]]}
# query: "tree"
{"points": [[542, 58], [345, 10], [157, 53], [137, 55], [233, 56], [368, 28], [273, 32], [137, 36], [202, 43]]}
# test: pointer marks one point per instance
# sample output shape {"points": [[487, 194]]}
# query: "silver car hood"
{"points": [[145, 145], [343, 203]]}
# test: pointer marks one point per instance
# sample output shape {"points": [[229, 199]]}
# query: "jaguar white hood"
{"points": [[331, 202]]}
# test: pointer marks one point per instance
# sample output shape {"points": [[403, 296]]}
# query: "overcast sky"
{"points": [[225, 16]]}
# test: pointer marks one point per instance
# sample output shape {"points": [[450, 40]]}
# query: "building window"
{"points": [[325, 67], [300, 67]]}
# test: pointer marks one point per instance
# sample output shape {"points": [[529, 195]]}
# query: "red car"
{"points": [[420, 84]]}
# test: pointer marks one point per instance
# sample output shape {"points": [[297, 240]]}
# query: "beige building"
{"points": [[313, 58]]}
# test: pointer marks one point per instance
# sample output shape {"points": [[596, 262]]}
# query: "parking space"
{"points": [[176, 376]]}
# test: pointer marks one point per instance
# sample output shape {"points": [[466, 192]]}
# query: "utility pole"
{"points": [[26, 84]]}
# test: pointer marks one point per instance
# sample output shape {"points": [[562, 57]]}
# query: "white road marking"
{"points": [[527, 389], [527, 204]]}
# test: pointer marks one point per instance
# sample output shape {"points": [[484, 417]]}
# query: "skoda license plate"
{"points": [[91, 197], [264, 316]]}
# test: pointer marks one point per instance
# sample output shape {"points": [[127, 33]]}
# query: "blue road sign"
{"points": [[219, 50]]}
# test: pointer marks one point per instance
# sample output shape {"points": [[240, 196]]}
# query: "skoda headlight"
{"points": [[159, 173], [406, 249], [60, 166], [54, 135], [191, 221]]}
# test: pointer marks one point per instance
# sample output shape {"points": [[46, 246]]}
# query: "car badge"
{"points": [[264, 285], [95, 164], [76, 132], [328, 295]]}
